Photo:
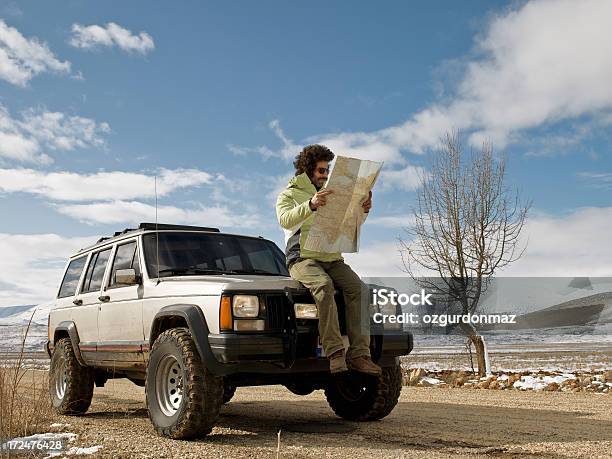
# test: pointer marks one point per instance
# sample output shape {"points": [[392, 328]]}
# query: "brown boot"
{"points": [[337, 362], [365, 365]]}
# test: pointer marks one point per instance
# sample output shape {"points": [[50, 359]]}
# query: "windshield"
{"points": [[189, 254]]}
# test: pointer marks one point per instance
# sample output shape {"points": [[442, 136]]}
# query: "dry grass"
{"points": [[25, 406]]}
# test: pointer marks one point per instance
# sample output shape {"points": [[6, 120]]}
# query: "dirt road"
{"points": [[428, 422]]}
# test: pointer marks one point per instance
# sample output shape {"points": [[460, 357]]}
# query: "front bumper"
{"points": [[269, 349], [229, 348]]}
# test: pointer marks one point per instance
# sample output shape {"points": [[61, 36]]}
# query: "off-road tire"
{"points": [[228, 392], [202, 392], [72, 395], [377, 399], [300, 388]]}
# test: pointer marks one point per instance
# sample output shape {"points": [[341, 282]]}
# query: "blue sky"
{"points": [[215, 98]]}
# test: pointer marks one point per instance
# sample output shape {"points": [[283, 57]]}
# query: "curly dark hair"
{"points": [[308, 158]]}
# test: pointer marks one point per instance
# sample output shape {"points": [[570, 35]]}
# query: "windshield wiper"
{"points": [[194, 270], [255, 271], [190, 270]]}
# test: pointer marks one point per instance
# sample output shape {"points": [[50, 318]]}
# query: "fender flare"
{"points": [[196, 322], [70, 327]]}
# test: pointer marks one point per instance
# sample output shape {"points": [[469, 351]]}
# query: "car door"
{"points": [[120, 332], [66, 301], [85, 315]]}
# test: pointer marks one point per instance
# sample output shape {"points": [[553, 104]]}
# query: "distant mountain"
{"points": [[588, 310], [6, 311], [20, 315]]}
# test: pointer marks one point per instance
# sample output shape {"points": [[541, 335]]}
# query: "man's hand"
{"points": [[367, 204], [318, 199]]}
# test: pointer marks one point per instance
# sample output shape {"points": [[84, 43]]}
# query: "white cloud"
{"points": [[24, 139], [407, 179], [94, 36], [21, 59], [32, 265], [132, 212], [360, 145], [19, 148], [288, 150], [602, 180], [61, 132], [375, 146], [371, 146], [392, 221], [565, 246], [71, 186], [276, 185], [544, 62], [265, 152], [569, 245], [377, 259]]}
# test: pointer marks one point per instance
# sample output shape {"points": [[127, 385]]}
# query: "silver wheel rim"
{"points": [[61, 378], [169, 385]]}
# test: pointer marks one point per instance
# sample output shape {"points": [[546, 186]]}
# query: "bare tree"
{"points": [[467, 227]]}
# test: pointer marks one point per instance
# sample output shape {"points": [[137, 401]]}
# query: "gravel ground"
{"points": [[428, 422]]}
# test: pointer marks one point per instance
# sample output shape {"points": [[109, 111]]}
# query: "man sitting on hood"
{"points": [[322, 272]]}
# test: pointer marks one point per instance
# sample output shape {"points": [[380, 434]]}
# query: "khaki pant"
{"points": [[321, 278]]}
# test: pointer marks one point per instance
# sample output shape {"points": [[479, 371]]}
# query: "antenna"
{"points": [[156, 234]]}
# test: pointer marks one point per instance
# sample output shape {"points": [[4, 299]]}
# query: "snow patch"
{"points": [[430, 381], [76, 451], [539, 383]]}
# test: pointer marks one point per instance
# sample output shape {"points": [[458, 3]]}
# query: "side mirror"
{"points": [[126, 277]]}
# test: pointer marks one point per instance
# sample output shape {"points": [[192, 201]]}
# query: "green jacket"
{"points": [[295, 216]]}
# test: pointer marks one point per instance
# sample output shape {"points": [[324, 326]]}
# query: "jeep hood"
{"points": [[215, 285]]}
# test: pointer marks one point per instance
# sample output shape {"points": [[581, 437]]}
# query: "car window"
{"points": [[191, 253], [262, 259], [231, 262], [126, 257], [71, 278], [95, 271]]}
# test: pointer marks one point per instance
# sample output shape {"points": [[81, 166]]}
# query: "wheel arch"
{"points": [[67, 329], [191, 317]]}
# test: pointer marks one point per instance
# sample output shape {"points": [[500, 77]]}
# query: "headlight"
{"points": [[306, 311], [245, 306]]}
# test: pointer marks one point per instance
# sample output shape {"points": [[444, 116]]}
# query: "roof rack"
{"points": [[119, 233], [162, 226]]}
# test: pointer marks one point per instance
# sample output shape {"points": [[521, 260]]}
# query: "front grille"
{"points": [[277, 308], [277, 315], [276, 305]]}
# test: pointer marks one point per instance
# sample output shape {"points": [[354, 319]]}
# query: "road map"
{"points": [[336, 225]]}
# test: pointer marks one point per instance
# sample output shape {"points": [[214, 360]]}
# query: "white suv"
{"points": [[191, 313]]}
